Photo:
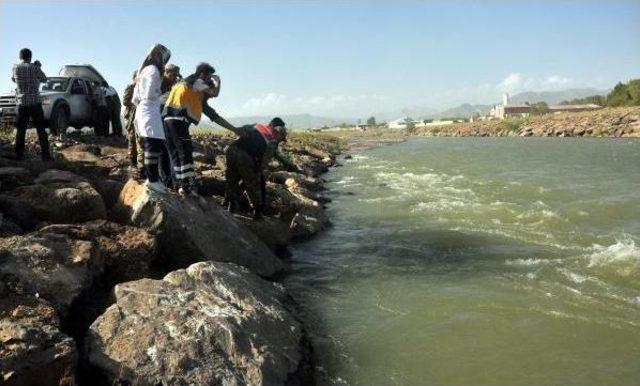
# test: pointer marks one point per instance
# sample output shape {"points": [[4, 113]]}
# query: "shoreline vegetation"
{"points": [[104, 281]]}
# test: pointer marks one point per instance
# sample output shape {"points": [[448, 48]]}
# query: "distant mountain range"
{"points": [[307, 121], [298, 121], [555, 97], [550, 97]]}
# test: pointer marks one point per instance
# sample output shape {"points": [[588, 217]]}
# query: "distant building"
{"points": [[399, 124], [506, 110]]}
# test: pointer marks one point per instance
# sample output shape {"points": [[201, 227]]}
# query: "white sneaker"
{"points": [[156, 186]]}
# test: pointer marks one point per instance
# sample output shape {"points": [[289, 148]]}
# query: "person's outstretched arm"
{"points": [[213, 115]]}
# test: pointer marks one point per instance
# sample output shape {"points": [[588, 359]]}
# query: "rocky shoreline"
{"points": [[606, 122], [106, 282]]}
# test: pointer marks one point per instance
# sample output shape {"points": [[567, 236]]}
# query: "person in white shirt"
{"points": [[148, 122]]}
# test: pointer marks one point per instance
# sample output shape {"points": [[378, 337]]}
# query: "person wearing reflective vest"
{"points": [[147, 119], [186, 103], [247, 157]]}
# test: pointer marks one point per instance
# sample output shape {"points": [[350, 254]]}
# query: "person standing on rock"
{"points": [[147, 97], [27, 76], [101, 111], [136, 149], [248, 156], [185, 105]]}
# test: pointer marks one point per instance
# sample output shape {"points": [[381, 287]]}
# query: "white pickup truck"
{"points": [[67, 99]]}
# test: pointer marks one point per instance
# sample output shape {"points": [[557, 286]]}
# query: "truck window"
{"points": [[78, 87], [55, 84]]}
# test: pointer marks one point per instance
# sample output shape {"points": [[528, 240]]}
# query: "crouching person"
{"points": [[148, 121], [186, 103], [247, 157]]}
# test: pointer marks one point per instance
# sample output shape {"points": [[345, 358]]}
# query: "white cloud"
{"points": [[556, 81], [331, 105], [516, 82], [511, 82]]}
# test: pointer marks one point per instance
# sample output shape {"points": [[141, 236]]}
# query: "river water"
{"points": [[478, 261]]}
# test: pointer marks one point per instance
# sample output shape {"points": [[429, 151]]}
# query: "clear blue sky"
{"points": [[337, 58]]}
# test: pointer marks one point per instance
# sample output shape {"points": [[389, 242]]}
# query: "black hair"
{"points": [[25, 54], [205, 67], [200, 68], [277, 122]]}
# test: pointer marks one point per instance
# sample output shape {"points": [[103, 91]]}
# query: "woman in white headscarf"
{"points": [[148, 122]]}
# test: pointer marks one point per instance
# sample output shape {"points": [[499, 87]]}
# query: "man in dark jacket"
{"points": [[248, 156], [27, 76]]}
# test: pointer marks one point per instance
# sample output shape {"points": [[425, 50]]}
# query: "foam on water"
{"points": [[623, 256]]}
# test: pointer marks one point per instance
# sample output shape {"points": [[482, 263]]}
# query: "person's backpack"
{"points": [[127, 96]]}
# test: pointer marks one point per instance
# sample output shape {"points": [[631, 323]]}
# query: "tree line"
{"points": [[623, 94]]}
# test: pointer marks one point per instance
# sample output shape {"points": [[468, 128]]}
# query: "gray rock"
{"points": [[33, 351], [61, 197], [60, 263], [127, 252], [210, 324], [13, 176], [191, 230], [270, 230], [8, 227], [306, 225], [109, 190], [23, 214]]}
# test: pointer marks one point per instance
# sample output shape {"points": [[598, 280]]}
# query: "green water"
{"points": [[463, 261]]}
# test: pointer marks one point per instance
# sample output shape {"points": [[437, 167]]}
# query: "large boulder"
{"points": [[61, 263], [8, 227], [19, 212], [14, 176], [270, 230], [210, 324], [60, 197], [52, 266], [127, 252], [33, 350], [194, 229]]}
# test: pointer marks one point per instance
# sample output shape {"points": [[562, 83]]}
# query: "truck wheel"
{"points": [[59, 120]]}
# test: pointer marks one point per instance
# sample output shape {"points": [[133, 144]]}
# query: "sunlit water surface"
{"points": [[463, 261]]}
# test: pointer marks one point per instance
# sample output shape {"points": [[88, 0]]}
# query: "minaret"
{"points": [[505, 99]]}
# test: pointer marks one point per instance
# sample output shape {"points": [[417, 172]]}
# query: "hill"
{"points": [[555, 97]]}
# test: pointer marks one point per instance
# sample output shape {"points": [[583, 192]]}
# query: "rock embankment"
{"points": [[607, 122], [104, 282]]}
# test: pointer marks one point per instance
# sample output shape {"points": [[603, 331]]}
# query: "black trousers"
{"points": [[114, 115], [180, 150], [101, 121], [153, 148], [25, 113]]}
